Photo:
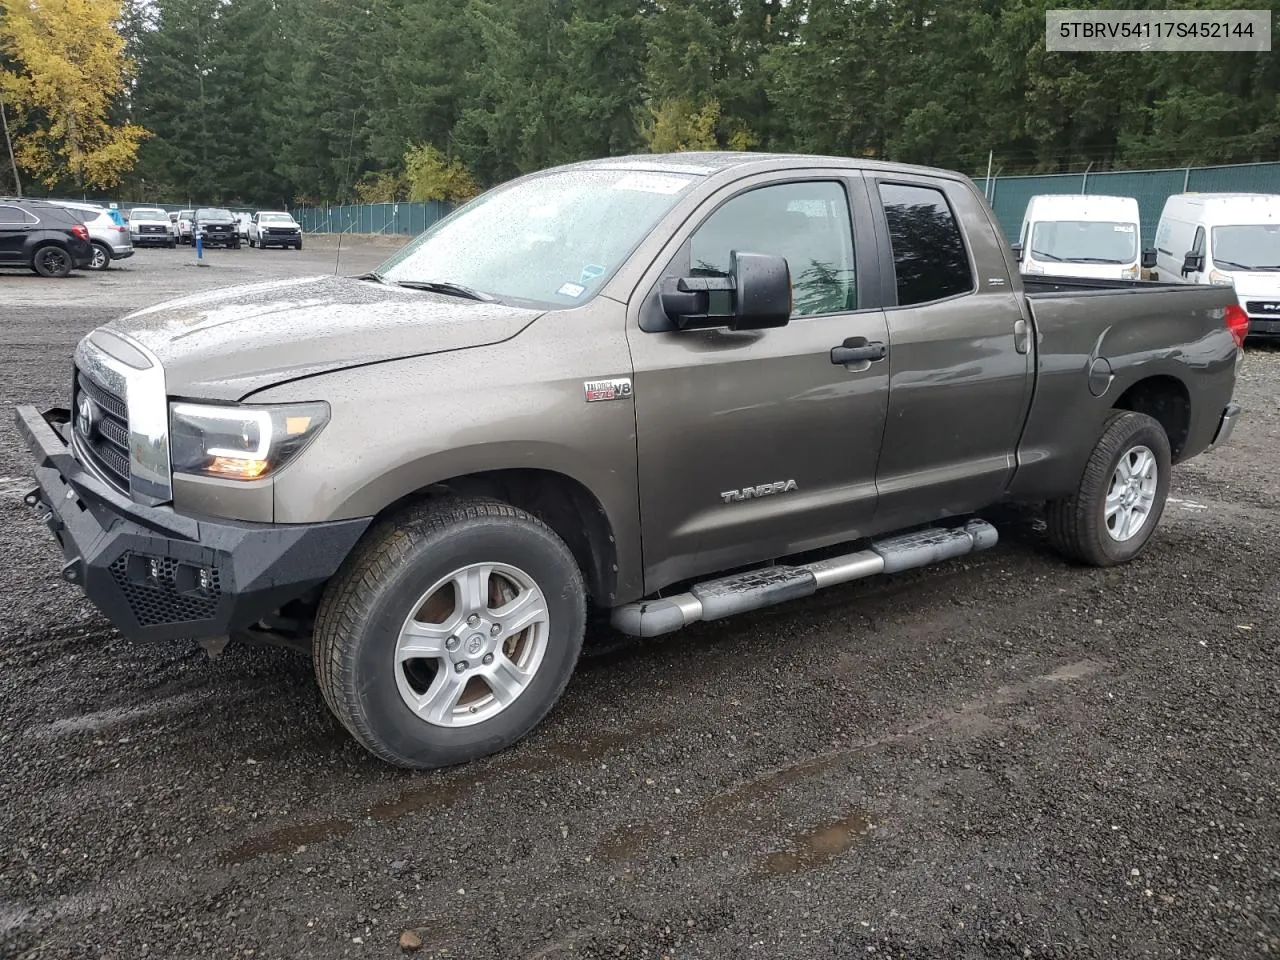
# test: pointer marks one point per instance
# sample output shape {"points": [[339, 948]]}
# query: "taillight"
{"points": [[1237, 323], [80, 231]]}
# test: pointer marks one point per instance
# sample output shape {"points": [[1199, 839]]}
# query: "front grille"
{"points": [[1267, 308], [163, 590], [150, 229], [107, 442], [290, 231]]}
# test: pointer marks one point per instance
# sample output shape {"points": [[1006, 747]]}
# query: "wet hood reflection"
{"points": [[225, 344]]}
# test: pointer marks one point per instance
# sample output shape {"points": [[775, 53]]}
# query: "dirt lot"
{"points": [[1000, 757]]}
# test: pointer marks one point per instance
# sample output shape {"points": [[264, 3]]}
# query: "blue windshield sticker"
{"points": [[590, 272], [571, 290]]}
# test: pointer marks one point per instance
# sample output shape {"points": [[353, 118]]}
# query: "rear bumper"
{"points": [[1226, 425], [159, 575]]}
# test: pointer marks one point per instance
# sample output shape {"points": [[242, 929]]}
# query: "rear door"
{"points": [[755, 444], [959, 353]]}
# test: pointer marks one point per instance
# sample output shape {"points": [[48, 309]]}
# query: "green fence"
{"points": [[1009, 195], [406, 219]]}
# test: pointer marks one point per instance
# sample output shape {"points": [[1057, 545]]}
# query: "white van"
{"points": [[1080, 235], [1227, 238]]}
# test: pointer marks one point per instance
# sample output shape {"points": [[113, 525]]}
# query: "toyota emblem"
{"points": [[86, 416]]}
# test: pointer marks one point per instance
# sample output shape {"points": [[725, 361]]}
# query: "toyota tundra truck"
{"points": [[647, 390]]}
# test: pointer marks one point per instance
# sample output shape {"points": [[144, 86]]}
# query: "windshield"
{"points": [[1085, 241], [1253, 246], [552, 239], [147, 213], [274, 218], [213, 213]]}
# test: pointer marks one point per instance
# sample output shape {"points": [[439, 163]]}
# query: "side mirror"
{"points": [[1192, 263], [755, 296], [1017, 251], [1148, 259]]}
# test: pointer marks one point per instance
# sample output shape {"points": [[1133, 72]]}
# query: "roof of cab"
{"points": [[1082, 204], [708, 162], [1232, 208]]}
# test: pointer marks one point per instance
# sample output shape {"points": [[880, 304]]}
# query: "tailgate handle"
{"points": [[1021, 338], [858, 350]]}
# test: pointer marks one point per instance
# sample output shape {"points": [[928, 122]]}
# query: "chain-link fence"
{"points": [[406, 219]]}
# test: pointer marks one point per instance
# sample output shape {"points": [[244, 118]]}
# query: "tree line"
{"points": [[295, 101]]}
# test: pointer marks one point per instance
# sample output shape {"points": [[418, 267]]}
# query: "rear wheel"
{"points": [[1121, 496], [101, 257], [51, 261], [450, 632]]}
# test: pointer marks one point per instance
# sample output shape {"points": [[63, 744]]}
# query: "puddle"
{"points": [[439, 792], [816, 846]]}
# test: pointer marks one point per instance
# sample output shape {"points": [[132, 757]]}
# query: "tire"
{"points": [[51, 261], [173, 244], [251, 243], [1084, 527], [101, 257], [405, 566], [298, 245], [236, 245]]}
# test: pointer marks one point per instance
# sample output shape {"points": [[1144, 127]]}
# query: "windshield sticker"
{"points": [[571, 290], [1123, 228], [590, 272], [652, 183]]}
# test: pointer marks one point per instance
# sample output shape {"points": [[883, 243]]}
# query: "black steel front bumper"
{"points": [[159, 575]]}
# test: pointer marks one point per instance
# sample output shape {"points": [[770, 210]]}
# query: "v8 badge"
{"points": [[618, 388]]}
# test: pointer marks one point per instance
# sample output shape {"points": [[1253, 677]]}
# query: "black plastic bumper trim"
{"points": [[258, 567]]}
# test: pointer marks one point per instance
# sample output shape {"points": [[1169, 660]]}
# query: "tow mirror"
{"points": [[1148, 259], [1192, 263], [1017, 251], [756, 295]]}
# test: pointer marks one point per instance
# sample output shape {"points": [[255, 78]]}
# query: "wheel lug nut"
{"points": [[452, 644], [488, 658], [473, 620], [495, 630], [461, 666]]}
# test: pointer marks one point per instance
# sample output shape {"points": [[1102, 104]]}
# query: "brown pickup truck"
{"points": [[652, 389]]}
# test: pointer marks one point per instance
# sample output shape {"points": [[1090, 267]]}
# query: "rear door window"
{"points": [[930, 261]]}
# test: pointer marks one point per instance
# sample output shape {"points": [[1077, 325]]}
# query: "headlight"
{"points": [[1222, 279], [240, 442]]}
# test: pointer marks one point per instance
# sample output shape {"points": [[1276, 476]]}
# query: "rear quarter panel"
{"points": [[1176, 331]]}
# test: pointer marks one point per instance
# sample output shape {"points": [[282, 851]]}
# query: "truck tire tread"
{"points": [[348, 603]]}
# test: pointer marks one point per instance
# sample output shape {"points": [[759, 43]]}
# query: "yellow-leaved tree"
{"points": [[431, 176], [70, 67]]}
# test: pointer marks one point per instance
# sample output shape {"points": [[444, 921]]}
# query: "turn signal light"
{"points": [[1237, 323]]}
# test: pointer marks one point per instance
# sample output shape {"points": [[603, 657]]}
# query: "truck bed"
{"points": [[1039, 286]]}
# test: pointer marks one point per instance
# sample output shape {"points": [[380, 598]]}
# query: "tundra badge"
{"points": [[763, 490], [618, 388]]}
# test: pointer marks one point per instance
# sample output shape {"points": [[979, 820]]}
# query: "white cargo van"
{"points": [[1227, 238], [1080, 235]]}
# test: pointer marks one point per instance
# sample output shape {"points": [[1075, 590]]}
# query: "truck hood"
{"points": [[1256, 283], [226, 344]]}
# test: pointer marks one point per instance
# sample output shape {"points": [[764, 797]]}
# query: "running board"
{"points": [[742, 592]]}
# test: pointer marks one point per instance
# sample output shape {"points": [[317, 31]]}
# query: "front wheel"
{"points": [[1121, 496], [449, 632]]}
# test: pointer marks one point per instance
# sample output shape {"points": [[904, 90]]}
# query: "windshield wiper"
{"points": [[1093, 260], [1045, 256], [1238, 266], [443, 286]]}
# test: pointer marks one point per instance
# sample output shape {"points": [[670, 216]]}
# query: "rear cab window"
{"points": [[930, 260]]}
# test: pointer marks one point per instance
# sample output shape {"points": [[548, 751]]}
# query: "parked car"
{"points": [[243, 220], [275, 228], [45, 237], [1080, 236], [805, 370], [110, 238], [1230, 239], [152, 227], [184, 223], [216, 227]]}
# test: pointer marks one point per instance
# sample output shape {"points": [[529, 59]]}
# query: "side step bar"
{"points": [[754, 589]]}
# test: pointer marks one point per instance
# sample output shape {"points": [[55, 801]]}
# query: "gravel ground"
{"points": [[1000, 757]]}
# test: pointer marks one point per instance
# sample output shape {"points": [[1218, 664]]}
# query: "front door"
{"points": [[755, 444], [14, 227], [959, 353]]}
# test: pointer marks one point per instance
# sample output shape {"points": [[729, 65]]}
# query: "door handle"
{"points": [[1021, 336], [858, 350]]}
